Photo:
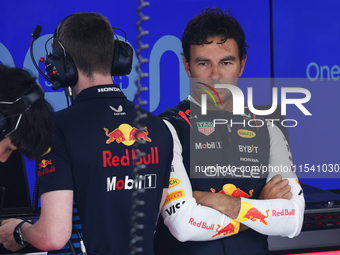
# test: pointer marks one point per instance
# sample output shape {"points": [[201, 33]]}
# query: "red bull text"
{"points": [[201, 224], [284, 212], [110, 160]]}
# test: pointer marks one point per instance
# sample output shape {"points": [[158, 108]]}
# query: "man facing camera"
{"points": [[243, 204]]}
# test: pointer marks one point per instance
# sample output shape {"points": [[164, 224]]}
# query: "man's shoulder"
{"points": [[176, 112]]}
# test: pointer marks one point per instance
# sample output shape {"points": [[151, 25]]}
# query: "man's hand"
{"points": [[276, 188], [214, 199], [6, 234], [243, 227], [226, 204]]}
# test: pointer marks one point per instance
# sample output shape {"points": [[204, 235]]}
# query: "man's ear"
{"points": [[243, 63], [187, 67]]}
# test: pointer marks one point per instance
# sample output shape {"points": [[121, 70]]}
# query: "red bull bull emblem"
{"points": [[231, 190], [45, 170], [127, 135], [44, 163], [253, 214], [248, 212], [231, 229]]}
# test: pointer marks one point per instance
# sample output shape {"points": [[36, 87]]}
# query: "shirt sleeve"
{"points": [[54, 169], [276, 216], [186, 220]]}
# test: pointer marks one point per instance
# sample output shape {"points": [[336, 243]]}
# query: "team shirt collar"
{"points": [[100, 91]]}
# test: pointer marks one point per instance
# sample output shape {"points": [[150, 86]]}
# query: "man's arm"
{"points": [[262, 215], [229, 205], [223, 203], [186, 220], [51, 231], [279, 211]]}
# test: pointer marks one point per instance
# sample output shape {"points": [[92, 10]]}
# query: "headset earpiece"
{"points": [[62, 74], [59, 65], [122, 58], [62, 71]]}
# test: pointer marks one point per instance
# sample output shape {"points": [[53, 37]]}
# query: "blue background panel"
{"points": [[306, 35]]}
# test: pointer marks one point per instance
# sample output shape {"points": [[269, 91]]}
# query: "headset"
{"points": [[29, 97], [63, 72]]}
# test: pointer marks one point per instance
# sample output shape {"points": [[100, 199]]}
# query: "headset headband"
{"points": [[32, 95]]}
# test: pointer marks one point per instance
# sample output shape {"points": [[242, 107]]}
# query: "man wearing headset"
{"points": [[88, 178], [25, 116]]}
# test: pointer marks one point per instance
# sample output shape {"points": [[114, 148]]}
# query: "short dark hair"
{"points": [[213, 22], [89, 39], [34, 133]]}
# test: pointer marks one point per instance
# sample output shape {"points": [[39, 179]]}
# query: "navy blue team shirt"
{"points": [[93, 155]]}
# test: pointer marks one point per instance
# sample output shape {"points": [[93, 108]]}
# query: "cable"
{"points": [[136, 202]]}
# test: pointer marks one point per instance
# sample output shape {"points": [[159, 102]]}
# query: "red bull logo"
{"points": [[231, 229], [46, 171], [248, 212], [231, 190], [253, 214], [44, 163], [111, 160], [201, 224], [127, 135], [284, 212], [240, 193]]}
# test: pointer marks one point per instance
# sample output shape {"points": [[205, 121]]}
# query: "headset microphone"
{"points": [[36, 32], [55, 84]]}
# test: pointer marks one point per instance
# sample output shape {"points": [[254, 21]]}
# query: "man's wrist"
{"points": [[231, 206], [18, 234]]}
